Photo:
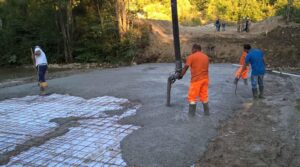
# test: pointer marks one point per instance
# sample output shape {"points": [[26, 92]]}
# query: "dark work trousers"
{"points": [[42, 72], [257, 80]]}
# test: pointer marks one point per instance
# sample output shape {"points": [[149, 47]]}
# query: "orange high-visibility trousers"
{"points": [[198, 89], [244, 74]]}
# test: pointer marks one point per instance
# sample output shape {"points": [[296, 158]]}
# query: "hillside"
{"points": [[277, 39]]}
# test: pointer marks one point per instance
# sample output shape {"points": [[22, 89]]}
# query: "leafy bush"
{"points": [[94, 35], [135, 41]]}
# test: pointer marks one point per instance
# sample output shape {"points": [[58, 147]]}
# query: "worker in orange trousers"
{"points": [[199, 63], [240, 73]]}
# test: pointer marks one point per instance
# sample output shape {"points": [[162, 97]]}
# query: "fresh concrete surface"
{"points": [[168, 136]]}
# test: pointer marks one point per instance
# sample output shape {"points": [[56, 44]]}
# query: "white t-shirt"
{"points": [[41, 59]]}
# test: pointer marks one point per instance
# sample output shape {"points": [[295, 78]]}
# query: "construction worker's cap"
{"points": [[37, 48]]}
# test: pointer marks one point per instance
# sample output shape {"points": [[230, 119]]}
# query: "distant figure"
{"points": [[243, 25], [198, 62], [218, 25], [247, 25], [223, 26], [239, 25], [40, 60], [255, 57]]}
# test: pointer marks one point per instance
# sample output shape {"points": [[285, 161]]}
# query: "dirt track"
{"points": [[279, 41]]}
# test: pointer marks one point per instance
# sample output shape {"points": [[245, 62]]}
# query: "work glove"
{"points": [[180, 77]]}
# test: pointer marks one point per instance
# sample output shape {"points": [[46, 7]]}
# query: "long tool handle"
{"points": [[33, 61]]}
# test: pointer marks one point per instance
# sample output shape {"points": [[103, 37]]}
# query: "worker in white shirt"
{"points": [[41, 64]]}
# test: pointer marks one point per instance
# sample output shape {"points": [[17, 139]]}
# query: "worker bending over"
{"points": [[239, 73]]}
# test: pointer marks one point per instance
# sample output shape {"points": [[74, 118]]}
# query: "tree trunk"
{"points": [[99, 7], [121, 17], [63, 32], [288, 11], [69, 29], [65, 21], [0, 24]]}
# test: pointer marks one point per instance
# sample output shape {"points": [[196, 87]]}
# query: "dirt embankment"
{"points": [[280, 42]]}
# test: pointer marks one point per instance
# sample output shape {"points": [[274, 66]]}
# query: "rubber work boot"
{"points": [[236, 80], [192, 109], [261, 92], [42, 88], [254, 91], [246, 81], [206, 109]]}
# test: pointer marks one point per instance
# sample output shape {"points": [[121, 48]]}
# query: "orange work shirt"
{"points": [[243, 57], [198, 62]]}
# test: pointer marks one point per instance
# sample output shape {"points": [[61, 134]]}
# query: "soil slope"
{"points": [[280, 42]]}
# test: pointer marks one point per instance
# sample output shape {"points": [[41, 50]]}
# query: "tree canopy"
{"points": [[68, 30], [208, 10], [107, 30]]}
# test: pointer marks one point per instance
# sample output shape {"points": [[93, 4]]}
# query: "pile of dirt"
{"points": [[282, 47], [267, 25], [279, 41]]}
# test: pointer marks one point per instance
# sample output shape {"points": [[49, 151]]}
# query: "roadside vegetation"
{"points": [[110, 31]]}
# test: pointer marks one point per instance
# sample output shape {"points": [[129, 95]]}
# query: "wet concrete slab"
{"points": [[167, 137]]}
